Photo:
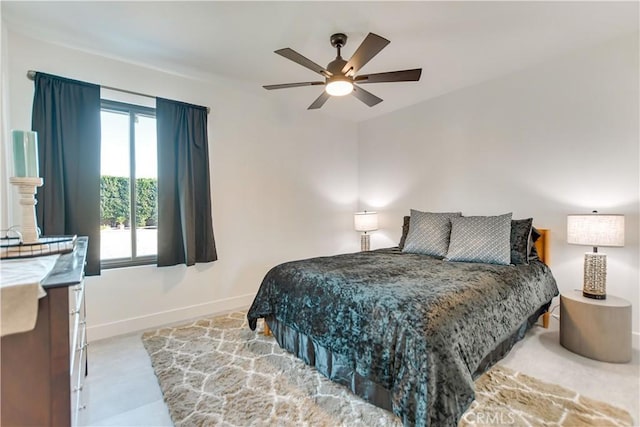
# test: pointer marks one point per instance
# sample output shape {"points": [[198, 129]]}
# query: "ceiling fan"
{"points": [[340, 75]]}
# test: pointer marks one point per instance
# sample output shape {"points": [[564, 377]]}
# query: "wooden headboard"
{"points": [[542, 245]]}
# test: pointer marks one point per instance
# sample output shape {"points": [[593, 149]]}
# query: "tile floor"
{"points": [[122, 390]]}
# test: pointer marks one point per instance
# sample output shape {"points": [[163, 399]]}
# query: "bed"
{"points": [[407, 332]]}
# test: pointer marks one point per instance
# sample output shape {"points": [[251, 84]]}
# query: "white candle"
{"points": [[25, 154]]}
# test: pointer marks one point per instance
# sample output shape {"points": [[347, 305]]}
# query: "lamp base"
{"points": [[364, 242], [593, 296], [27, 187], [595, 275]]}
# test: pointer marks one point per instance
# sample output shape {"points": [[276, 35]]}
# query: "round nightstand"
{"points": [[598, 329]]}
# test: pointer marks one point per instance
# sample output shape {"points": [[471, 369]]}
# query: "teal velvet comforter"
{"points": [[416, 325]]}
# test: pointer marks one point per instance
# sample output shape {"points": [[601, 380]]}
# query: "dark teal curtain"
{"points": [[185, 230], [66, 115]]}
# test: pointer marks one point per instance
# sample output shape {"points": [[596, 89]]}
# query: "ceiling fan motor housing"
{"points": [[335, 66]]}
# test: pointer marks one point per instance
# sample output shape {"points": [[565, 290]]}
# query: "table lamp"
{"points": [[365, 221], [595, 230]]}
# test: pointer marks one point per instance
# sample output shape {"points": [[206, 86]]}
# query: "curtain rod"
{"points": [[31, 75]]}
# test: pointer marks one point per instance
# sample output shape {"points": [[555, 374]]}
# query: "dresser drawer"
{"points": [[76, 319], [77, 349], [77, 374], [76, 296]]}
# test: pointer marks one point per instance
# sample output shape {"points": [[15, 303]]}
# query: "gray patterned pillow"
{"points": [[429, 233], [481, 239]]}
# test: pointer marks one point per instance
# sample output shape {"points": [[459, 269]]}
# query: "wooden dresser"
{"points": [[43, 369]]}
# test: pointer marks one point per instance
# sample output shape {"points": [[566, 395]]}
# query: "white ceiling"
{"points": [[457, 44]]}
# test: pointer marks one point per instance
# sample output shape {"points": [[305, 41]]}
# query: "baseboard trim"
{"points": [[154, 320]]}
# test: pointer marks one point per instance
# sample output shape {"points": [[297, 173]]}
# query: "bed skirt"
{"points": [[339, 368]]}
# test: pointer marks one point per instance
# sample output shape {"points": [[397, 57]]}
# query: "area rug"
{"points": [[216, 371]]}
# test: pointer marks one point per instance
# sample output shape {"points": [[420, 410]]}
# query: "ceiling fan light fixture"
{"points": [[339, 86], [340, 76]]}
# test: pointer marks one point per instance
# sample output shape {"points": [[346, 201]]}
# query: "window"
{"points": [[129, 178]]}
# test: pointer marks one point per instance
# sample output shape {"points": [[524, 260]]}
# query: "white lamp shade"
{"points": [[595, 230], [365, 221]]}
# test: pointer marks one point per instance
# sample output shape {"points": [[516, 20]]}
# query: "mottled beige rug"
{"points": [[216, 371]]}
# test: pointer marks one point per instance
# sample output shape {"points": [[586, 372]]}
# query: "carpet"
{"points": [[216, 371]]}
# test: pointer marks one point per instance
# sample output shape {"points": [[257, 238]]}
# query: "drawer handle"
{"points": [[72, 312], [77, 389], [82, 408], [77, 290], [82, 347]]}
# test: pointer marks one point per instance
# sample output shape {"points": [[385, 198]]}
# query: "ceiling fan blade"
{"points": [[305, 62], [286, 85], [369, 48], [366, 97], [391, 76], [319, 102]]}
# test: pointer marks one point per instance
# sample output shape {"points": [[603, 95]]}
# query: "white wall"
{"points": [[283, 187], [557, 138], [4, 118]]}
